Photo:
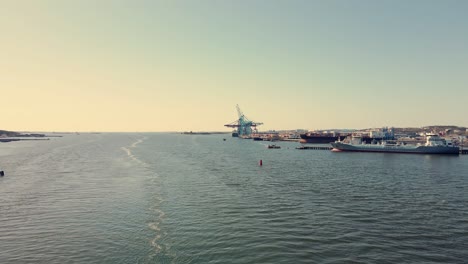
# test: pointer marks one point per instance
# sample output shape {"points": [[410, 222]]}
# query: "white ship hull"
{"points": [[396, 148]]}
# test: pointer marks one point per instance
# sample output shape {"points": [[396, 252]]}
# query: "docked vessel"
{"points": [[320, 138], [434, 145], [378, 135], [371, 136]]}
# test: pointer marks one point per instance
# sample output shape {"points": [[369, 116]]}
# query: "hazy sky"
{"points": [[184, 65]]}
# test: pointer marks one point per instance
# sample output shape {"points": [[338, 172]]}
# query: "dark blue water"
{"points": [[169, 198]]}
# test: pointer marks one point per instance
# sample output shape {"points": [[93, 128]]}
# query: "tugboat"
{"points": [[273, 146]]}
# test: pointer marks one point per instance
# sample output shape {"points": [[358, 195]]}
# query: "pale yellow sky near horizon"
{"points": [[175, 66]]}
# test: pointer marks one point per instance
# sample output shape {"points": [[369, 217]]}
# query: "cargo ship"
{"points": [[434, 145], [372, 136], [320, 138]]}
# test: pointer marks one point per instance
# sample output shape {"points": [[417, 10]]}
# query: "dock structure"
{"points": [[315, 147], [464, 151]]}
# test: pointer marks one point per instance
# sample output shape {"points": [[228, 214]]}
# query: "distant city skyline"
{"points": [[149, 66]]}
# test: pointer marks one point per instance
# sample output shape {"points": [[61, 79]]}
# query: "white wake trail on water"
{"points": [[155, 225], [138, 142], [130, 154], [157, 242]]}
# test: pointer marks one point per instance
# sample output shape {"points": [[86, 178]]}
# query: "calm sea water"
{"points": [[169, 198]]}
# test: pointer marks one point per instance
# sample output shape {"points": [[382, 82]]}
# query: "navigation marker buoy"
{"points": [[260, 163]]}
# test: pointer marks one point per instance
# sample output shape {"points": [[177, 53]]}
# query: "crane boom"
{"points": [[243, 125]]}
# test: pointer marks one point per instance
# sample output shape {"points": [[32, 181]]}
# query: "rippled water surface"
{"points": [[169, 198]]}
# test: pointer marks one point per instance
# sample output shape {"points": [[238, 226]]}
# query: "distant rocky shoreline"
{"points": [[9, 136], [204, 133]]}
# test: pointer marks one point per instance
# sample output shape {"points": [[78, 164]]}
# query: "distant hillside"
{"points": [[428, 129], [440, 128]]}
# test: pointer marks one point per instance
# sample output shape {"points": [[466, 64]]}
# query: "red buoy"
{"points": [[260, 163]]}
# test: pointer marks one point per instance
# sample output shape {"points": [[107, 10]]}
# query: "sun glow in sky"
{"points": [[184, 65]]}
